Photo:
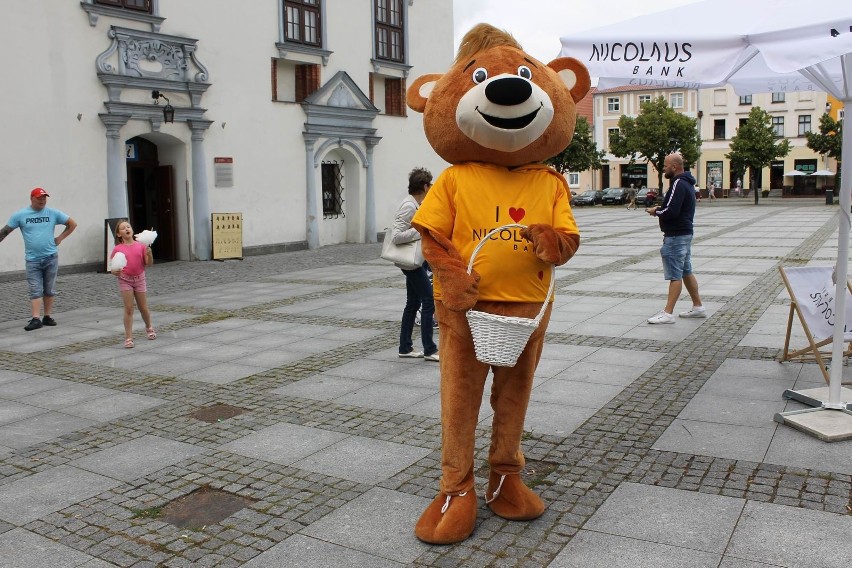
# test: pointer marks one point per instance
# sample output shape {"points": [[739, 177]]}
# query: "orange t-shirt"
{"points": [[469, 199]]}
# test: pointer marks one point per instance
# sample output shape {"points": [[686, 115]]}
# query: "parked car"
{"points": [[589, 197], [615, 196], [646, 196]]}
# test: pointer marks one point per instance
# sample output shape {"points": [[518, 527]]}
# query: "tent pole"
{"points": [[842, 264]]}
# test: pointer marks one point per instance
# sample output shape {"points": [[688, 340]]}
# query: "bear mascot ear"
{"points": [[574, 74], [419, 91]]}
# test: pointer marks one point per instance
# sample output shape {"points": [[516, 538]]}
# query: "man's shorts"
{"points": [[132, 283], [41, 276], [677, 256]]}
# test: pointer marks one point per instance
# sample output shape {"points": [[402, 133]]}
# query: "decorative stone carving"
{"points": [[342, 97], [151, 55]]}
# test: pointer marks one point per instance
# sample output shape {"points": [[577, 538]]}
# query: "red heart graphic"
{"points": [[516, 214], [540, 275]]}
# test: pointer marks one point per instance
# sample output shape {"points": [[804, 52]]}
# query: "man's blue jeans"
{"points": [[41, 276], [677, 256]]}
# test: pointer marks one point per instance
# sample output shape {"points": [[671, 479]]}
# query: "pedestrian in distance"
{"points": [[676, 217], [38, 228], [131, 279], [631, 197], [711, 192], [418, 286]]}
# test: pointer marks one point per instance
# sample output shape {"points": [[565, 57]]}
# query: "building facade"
{"points": [[793, 115], [290, 113], [719, 112], [609, 105]]}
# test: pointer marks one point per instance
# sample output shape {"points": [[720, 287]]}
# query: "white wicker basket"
{"points": [[499, 340]]}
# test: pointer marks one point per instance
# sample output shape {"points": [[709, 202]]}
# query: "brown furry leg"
{"points": [[507, 495], [451, 517]]}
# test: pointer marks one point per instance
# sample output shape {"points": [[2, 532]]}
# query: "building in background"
{"points": [[609, 105], [720, 112], [793, 115], [289, 112]]}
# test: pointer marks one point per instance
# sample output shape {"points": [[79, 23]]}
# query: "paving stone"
{"points": [[341, 306]]}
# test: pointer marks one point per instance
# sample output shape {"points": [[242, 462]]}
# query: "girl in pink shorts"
{"points": [[131, 279]]}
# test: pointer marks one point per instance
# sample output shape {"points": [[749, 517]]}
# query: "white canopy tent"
{"points": [[758, 46]]}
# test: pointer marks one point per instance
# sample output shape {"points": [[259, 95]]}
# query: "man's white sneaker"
{"points": [[411, 355], [695, 312], [662, 317]]}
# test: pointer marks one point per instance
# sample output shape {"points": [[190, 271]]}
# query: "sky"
{"points": [[538, 24]]}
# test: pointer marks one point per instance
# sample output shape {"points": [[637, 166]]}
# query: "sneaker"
{"points": [[412, 355], [662, 317], [432, 357], [695, 312], [35, 323], [49, 321]]}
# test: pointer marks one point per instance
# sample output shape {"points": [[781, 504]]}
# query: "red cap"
{"points": [[39, 192]]}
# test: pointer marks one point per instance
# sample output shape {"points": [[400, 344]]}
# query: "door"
{"points": [[165, 205], [150, 196]]}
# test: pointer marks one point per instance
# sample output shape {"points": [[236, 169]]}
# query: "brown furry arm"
{"points": [[459, 289], [550, 245]]}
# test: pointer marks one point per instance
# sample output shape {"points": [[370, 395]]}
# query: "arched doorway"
{"points": [[150, 196]]}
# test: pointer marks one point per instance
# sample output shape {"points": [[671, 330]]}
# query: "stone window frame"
{"points": [[96, 10]]}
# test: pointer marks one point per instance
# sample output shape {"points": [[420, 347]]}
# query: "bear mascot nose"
{"points": [[508, 91]]}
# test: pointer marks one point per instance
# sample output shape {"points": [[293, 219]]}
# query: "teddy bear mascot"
{"points": [[495, 115]]}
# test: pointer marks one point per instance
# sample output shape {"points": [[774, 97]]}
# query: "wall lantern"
{"points": [[168, 110], [827, 108]]}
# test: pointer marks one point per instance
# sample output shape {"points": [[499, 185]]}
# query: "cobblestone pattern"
{"points": [[612, 447]]}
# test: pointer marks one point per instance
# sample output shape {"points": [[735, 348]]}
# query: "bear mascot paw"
{"points": [[448, 519]]}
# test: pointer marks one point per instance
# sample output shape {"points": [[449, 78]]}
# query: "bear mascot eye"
{"points": [[524, 72], [479, 75]]}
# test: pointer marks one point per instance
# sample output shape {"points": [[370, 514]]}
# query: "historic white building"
{"points": [[289, 112]]}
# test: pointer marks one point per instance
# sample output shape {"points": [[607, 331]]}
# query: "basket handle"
{"points": [[552, 267]]}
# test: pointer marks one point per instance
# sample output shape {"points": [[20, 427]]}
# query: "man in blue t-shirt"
{"points": [[37, 223]]}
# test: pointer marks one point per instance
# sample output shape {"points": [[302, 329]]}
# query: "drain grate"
{"points": [[216, 413], [202, 507]]}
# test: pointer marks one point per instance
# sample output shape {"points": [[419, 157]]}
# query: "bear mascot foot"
{"points": [[448, 519], [510, 498]]}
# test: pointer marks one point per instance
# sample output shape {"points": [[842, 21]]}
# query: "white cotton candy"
{"points": [[146, 237], [118, 262]]}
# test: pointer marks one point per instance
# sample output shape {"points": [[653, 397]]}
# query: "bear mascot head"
{"points": [[496, 114], [498, 104]]}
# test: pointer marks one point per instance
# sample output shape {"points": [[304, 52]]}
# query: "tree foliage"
{"points": [[582, 154], [654, 134], [829, 139], [755, 145]]}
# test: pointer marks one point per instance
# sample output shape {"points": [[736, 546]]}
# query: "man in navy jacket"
{"points": [[676, 216]]}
